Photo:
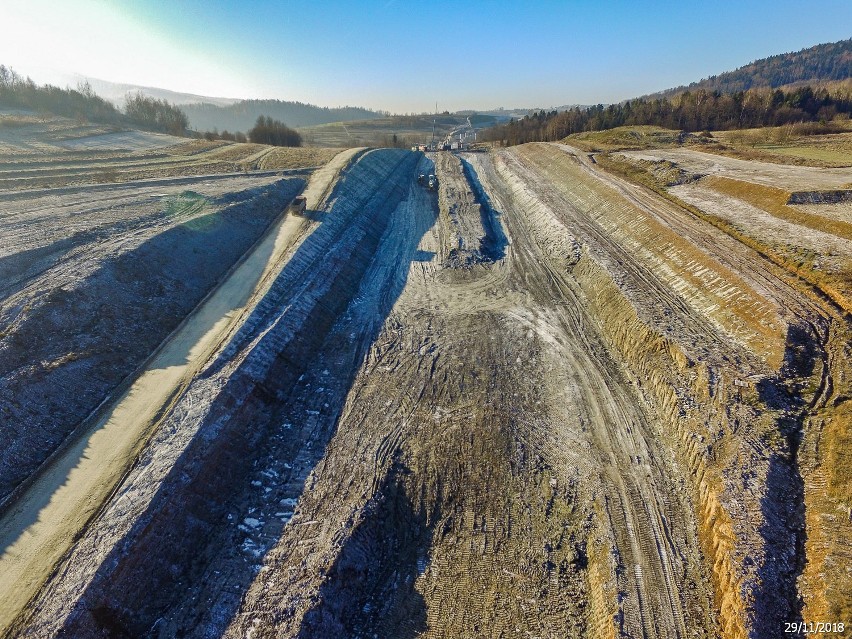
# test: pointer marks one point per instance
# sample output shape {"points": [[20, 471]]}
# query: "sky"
{"points": [[403, 56]]}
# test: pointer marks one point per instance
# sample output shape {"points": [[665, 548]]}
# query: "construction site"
{"points": [[539, 391]]}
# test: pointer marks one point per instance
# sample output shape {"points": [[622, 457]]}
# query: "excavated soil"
{"points": [[92, 282], [542, 401]]}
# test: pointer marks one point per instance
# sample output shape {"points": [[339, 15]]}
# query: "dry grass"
{"points": [[236, 151], [26, 168], [292, 158], [192, 147], [827, 147], [838, 455], [826, 156], [628, 138], [774, 201]]}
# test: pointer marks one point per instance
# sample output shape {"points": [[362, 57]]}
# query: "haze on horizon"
{"points": [[404, 57]]}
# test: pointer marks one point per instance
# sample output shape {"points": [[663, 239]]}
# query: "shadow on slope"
{"points": [[184, 566], [68, 349], [777, 600], [370, 587], [493, 245]]}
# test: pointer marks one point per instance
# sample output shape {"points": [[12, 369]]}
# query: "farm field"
{"points": [[577, 389]]}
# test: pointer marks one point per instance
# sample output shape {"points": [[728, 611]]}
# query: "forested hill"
{"points": [[756, 95], [822, 63], [242, 115]]}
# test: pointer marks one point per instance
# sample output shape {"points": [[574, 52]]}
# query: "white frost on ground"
{"points": [[841, 211], [772, 229], [123, 140]]}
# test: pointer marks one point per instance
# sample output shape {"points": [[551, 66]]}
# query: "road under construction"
{"points": [[536, 400]]}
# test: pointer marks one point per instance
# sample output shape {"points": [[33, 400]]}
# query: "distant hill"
{"points": [[206, 113], [118, 93], [242, 115], [815, 65], [811, 85]]}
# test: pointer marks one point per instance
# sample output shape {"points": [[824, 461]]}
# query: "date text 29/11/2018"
{"points": [[814, 627]]}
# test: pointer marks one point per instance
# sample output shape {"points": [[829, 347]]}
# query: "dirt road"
{"points": [[486, 428], [792, 178]]}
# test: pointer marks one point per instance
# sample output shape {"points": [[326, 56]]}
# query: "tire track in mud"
{"points": [[654, 298], [636, 475], [732, 253], [432, 453], [474, 360]]}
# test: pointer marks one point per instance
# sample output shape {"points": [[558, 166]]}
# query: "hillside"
{"points": [[821, 63], [241, 116], [811, 85]]}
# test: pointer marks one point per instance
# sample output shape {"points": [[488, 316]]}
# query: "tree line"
{"points": [[23, 93], [269, 131], [140, 111], [84, 105], [156, 115], [241, 115], [688, 111], [265, 131], [236, 136]]}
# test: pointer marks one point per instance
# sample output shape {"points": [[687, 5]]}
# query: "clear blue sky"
{"points": [[405, 56]]}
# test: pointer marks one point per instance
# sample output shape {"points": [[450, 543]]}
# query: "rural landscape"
{"points": [[269, 369]]}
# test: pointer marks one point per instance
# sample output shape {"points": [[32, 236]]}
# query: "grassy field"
{"points": [[816, 151], [788, 145]]}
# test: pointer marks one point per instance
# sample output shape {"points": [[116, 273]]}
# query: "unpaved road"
{"points": [[485, 434], [37, 530], [541, 402], [496, 395]]}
